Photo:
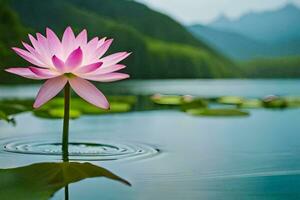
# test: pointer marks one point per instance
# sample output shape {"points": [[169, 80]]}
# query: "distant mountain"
{"points": [[232, 44], [255, 35], [162, 48], [271, 26], [240, 47]]}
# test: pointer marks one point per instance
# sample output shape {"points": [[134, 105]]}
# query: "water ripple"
{"points": [[79, 149]]}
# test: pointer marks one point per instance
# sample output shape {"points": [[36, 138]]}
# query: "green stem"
{"points": [[67, 192], [65, 137]]}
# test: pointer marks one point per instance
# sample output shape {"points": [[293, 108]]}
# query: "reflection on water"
{"points": [[41, 180], [256, 157]]}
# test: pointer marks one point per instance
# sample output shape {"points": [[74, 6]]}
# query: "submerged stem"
{"points": [[65, 137]]}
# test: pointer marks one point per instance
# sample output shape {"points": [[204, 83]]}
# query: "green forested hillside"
{"points": [[11, 33], [147, 21], [284, 67], [161, 47], [192, 61]]}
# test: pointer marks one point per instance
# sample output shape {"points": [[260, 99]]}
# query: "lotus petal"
{"points": [[49, 90], [111, 77], [74, 59], [89, 92]]}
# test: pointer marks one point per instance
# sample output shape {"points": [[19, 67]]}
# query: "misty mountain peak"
{"points": [[280, 25], [222, 19], [290, 7]]}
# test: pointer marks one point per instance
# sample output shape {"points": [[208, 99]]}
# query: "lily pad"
{"points": [[12, 108], [129, 99], [40, 181], [293, 101], [167, 99], [252, 103], [217, 112], [56, 113], [274, 102], [8, 108], [86, 108], [3, 116], [25, 103], [194, 103], [8, 119], [54, 109], [231, 100]]}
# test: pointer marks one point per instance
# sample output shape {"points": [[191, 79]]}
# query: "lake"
{"points": [[167, 154]]}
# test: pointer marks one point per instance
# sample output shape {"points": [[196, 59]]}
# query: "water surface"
{"points": [[255, 157]]}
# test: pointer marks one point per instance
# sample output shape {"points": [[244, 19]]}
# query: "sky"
{"points": [[205, 11]]}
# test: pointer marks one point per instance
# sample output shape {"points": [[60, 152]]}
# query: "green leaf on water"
{"points": [[3, 116], [194, 103], [54, 109], [252, 103], [8, 108], [275, 102], [88, 109], [8, 119], [129, 99], [231, 100], [292, 101], [25, 104], [12, 108], [217, 112], [167, 99], [56, 113], [40, 181]]}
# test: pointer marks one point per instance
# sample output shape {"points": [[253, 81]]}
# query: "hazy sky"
{"points": [[204, 11]]}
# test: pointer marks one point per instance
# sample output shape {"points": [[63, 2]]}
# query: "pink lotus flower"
{"points": [[73, 60]]}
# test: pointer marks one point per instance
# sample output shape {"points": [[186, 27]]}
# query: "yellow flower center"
{"points": [[69, 75]]}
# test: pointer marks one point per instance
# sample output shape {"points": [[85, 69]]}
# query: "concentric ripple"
{"points": [[79, 149]]}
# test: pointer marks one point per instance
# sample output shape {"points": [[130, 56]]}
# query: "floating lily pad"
{"points": [[8, 119], [86, 108], [231, 100], [56, 113], [194, 103], [25, 103], [8, 108], [167, 99], [54, 109], [274, 102], [252, 103], [217, 112], [12, 108], [42, 180], [3, 116], [129, 99], [292, 101]]}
